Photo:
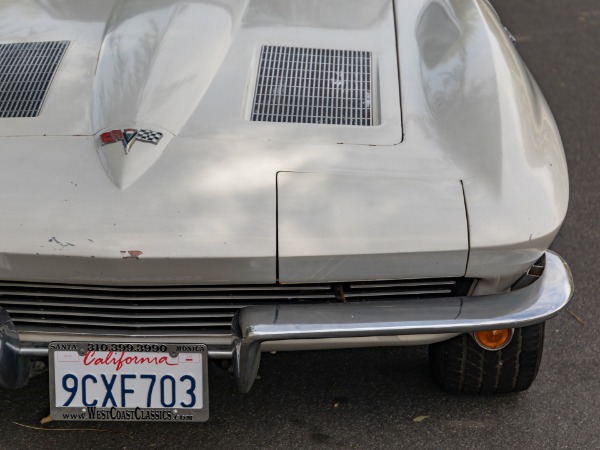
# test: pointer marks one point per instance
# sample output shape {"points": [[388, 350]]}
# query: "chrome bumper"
{"points": [[532, 304], [253, 325]]}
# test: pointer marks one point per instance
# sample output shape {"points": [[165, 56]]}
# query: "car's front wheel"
{"points": [[460, 365]]}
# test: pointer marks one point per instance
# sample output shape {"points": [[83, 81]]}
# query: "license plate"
{"points": [[128, 381]]}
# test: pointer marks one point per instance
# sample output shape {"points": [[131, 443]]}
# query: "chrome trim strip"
{"points": [[535, 303], [173, 288], [351, 294], [31, 335], [223, 297], [400, 284], [33, 352], [220, 354], [79, 306], [119, 326]]}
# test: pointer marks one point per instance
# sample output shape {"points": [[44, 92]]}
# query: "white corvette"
{"points": [[197, 179]]}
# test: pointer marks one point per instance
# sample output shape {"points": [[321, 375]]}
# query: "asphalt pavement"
{"points": [[370, 398]]}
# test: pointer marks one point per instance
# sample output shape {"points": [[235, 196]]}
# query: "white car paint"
{"points": [[456, 109]]}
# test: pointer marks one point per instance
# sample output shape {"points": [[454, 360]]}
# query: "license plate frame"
{"points": [[74, 354]]}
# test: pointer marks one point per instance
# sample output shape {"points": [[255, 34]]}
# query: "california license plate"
{"points": [[128, 381]]}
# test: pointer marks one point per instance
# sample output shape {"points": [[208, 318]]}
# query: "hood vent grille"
{"points": [[26, 71], [307, 85]]}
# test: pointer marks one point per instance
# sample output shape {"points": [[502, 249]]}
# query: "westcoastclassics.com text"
{"points": [[159, 415]]}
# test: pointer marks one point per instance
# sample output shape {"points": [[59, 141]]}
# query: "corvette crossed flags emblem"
{"points": [[129, 135]]}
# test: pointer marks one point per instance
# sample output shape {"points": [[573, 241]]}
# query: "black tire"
{"points": [[461, 366]]}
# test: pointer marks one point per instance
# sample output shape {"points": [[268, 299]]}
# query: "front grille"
{"points": [[26, 71], [308, 85], [193, 309]]}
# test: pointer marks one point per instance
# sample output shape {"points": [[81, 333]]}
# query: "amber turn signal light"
{"points": [[493, 339]]}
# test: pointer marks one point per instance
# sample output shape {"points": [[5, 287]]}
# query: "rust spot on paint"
{"points": [[62, 244], [131, 254]]}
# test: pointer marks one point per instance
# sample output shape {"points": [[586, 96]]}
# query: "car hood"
{"points": [[189, 68], [458, 124]]}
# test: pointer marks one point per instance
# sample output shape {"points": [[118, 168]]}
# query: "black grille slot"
{"points": [[193, 309], [308, 85], [26, 71]]}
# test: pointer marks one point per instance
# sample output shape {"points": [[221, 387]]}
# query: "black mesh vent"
{"points": [[307, 85], [26, 71]]}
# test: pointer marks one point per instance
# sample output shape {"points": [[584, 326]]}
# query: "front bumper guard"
{"points": [[535, 303], [15, 369]]}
